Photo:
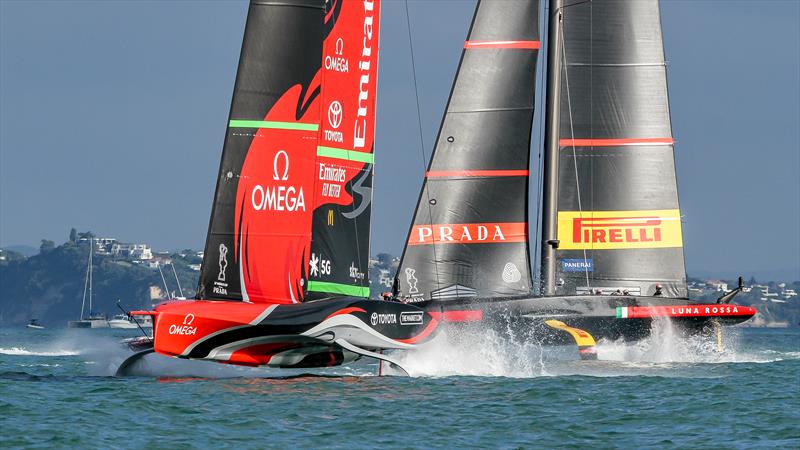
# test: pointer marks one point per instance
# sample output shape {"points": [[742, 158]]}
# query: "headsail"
{"points": [[470, 230], [618, 219], [275, 177]]}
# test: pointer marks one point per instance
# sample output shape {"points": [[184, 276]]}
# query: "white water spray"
{"points": [[485, 352]]}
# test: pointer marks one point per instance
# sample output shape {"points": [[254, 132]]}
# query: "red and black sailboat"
{"points": [[611, 243], [283, 281]]}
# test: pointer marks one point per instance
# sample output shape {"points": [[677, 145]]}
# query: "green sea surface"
{"points": [[56, 391]]}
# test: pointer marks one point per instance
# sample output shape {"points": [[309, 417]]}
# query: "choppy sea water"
{"points": [[56, 390]]}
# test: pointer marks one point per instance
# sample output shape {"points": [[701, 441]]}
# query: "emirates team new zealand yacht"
{"points": [[284, 276]]}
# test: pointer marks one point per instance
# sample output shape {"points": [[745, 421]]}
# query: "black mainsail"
{"points": [[616, 207], [469, 237]]}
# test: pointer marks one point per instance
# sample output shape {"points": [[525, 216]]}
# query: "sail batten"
{"points": [[245, 123], [527, 45]]}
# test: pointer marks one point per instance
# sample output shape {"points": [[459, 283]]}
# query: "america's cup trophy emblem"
{"points": [[223, 261]]}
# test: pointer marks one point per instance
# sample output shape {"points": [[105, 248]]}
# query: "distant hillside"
{"points": [[24, 250], [50, 285]]}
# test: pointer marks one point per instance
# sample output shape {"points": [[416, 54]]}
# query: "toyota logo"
{"points": [[373, 319], [335, 114]]}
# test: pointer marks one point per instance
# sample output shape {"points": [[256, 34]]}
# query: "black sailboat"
{"points": [[612, 249]]}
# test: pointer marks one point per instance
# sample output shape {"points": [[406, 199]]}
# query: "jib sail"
{"points": [[618, 219], [339, 258], [277, 178], [470, 230]]}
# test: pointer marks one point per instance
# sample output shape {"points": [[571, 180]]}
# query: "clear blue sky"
{"points": [[112, 116]]}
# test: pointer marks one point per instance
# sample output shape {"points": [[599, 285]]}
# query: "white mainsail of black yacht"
{"points": [[612, 249]]}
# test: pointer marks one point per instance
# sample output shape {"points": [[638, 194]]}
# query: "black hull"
{"points": [[598, 315]]}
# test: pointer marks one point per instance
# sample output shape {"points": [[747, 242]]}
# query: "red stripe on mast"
{"points": [[528, 45], [615, 142], [476, 173]]}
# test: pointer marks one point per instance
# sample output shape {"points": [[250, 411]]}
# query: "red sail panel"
{"points": [[343, 190], [349, 76], [273, 201]]}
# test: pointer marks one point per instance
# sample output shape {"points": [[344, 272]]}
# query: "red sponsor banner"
{"points": [[469, 233], [349, 87], [350, 76], [701, 310]]}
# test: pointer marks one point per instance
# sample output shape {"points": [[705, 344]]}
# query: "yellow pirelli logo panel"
{"points": [[606, 230]]}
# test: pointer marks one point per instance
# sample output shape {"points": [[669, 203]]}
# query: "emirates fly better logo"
{"points": [[605, 230]]}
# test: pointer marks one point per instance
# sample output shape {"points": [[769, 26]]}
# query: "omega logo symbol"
{"points": [[275, 166], [339, 46], [335, 114], [188, 319]]}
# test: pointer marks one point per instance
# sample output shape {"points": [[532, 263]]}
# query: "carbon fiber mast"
{"points": [[550, 160]]}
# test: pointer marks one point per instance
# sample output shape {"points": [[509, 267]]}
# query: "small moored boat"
{"points": [[34, 323]]}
